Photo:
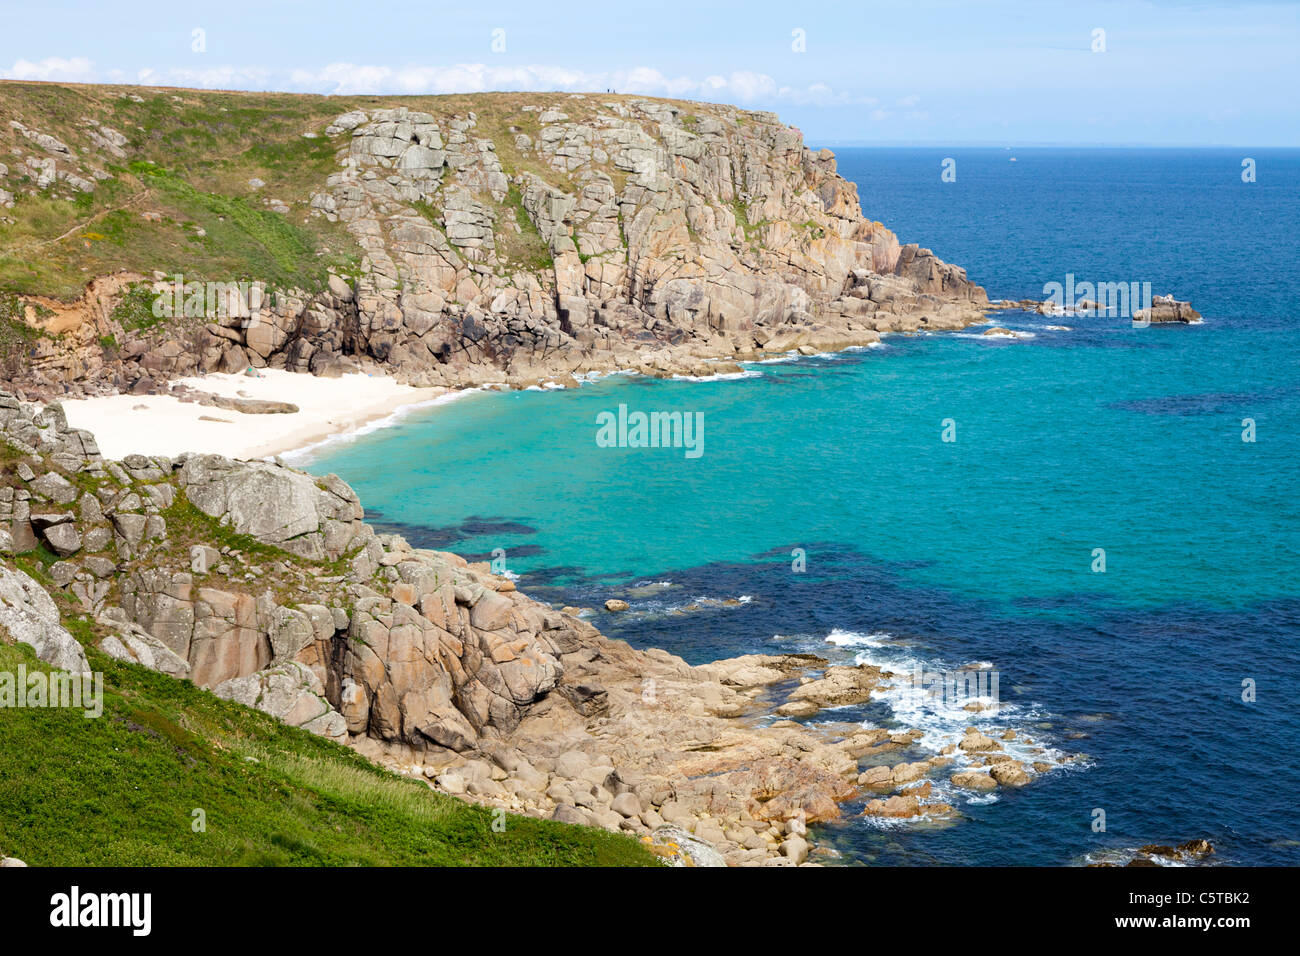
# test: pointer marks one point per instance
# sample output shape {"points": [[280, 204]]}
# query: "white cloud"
{"points": [[341, 78], [819, 94], [75, 70], [751, 86], [742, 87]]}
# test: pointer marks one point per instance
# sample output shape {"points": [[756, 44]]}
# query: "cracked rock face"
{"points": [[401, 645], [659, 225]]}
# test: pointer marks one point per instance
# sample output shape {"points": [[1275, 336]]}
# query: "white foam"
{"points": [[299, 454], [842, 638], [584, 377], [1011, 335], [720, 377], [943, 719]]}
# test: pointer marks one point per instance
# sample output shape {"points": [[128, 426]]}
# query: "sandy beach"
{"points": [[164, 425]]}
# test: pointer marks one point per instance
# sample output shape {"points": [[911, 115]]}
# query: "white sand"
{"points": [[163, 425]]}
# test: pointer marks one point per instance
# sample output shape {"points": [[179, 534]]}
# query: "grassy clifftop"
{"points": [[121, 790], [171, 172], [209, 184]]}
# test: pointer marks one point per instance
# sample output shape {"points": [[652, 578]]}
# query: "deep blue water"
{"points": [[920, 551]]}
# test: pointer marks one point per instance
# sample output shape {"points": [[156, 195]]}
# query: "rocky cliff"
{"points": [[264, 584], [494, 238]]}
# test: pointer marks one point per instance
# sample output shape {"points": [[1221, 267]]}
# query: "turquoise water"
{"points": [[979, 549]]}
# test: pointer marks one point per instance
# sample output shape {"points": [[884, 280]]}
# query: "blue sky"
{"points": [[933, 71]]}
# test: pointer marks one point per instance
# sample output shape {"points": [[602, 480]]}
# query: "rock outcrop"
{"points": [[30, 617], [1165, 308]]}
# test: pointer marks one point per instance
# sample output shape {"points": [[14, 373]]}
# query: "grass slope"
{"points": [[120, 790], [180, 199]]}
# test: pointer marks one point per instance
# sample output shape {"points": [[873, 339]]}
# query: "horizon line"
{"points": [[809, 141], [1045, 144]]}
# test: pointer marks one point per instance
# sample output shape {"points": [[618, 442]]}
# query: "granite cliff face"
{"points": [[717, 229], [513, 238]]}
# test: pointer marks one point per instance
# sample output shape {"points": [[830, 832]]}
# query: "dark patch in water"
{"points": [[1208, 403], [441, 538], [518, 551]]}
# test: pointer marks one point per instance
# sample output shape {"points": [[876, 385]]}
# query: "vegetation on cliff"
{"points": [[122, 790]]}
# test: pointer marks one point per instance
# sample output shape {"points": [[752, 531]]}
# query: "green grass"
{"points": [[187, 525], [753, 230], [121, 790], [432, 216], [190, 156], [526, 248], [135, 310], [262, 245]]}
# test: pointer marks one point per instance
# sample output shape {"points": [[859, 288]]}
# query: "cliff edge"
{"points": [[455, 240]]}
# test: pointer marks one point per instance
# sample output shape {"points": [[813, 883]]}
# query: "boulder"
{"points": [[290, 692], [64, 539], [1009, 774], [315, 519], [973, 780], [690, 849], [31, 617]]}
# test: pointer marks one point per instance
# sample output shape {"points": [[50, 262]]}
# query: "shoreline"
{"points": [[328, 408], [338, 407]]}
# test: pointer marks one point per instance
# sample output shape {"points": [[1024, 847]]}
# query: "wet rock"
{"points": [[973, 780], [1009, 774]]}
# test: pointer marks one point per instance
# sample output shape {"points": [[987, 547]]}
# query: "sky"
{"points": [[1018, 72]]}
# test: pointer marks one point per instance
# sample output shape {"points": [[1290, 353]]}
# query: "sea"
{"points": [[1104, 516]]}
